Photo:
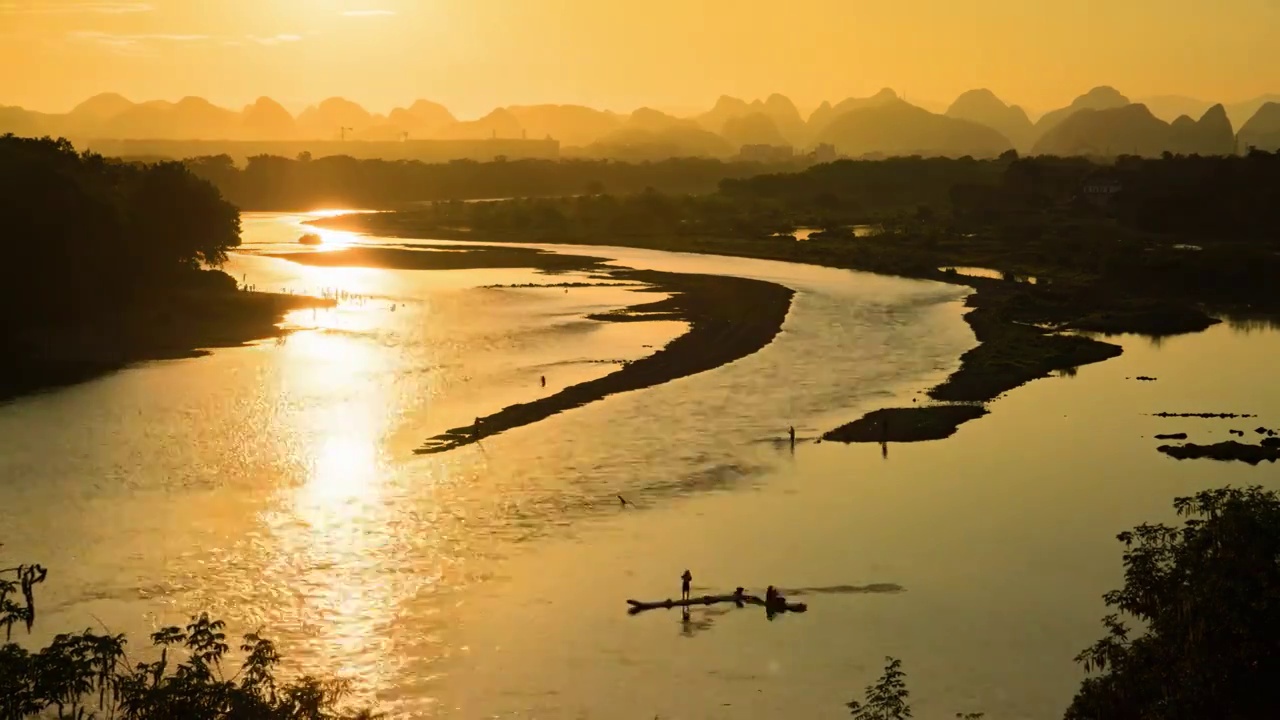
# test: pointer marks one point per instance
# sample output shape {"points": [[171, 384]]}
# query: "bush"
{"points": [[87, 675], [1208, 593]]}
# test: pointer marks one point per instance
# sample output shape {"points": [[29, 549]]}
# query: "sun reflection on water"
{"points": [[333, 538], [330, 239]]}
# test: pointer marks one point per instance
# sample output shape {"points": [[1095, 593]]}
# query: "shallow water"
{"points": [[275, 485], [981, 272]]}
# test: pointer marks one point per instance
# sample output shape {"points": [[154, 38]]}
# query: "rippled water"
{"points": [[275, 485]]}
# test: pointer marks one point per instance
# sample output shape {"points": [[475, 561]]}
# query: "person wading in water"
{"points": [[685, 579]]}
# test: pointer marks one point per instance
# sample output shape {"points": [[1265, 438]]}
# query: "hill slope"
{"points": [[983, 107], [897, 128]]}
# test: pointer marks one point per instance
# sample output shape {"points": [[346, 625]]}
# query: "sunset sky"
{"points": [[472, 55]]}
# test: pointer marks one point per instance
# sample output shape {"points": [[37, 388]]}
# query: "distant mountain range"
{"points": [[978, 123], [1133, 130]]}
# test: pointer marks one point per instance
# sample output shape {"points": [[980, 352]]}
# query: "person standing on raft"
{"points": [[685, 579]]}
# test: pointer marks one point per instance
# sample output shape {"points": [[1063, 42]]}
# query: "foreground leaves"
{"points": [[1208, 593], [87, 675]]}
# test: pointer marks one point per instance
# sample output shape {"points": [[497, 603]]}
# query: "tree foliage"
{"points": [[271, 182], [1208, 595], [87, 233], [887, 698], [88, 675]]}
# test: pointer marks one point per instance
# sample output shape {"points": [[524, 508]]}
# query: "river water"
{"points": [[275, 486]]}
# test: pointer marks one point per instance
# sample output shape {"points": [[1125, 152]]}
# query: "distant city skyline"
{"points": [[666, 54]]}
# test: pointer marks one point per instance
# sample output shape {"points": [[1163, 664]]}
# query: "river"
{"points": [[274, 485]]}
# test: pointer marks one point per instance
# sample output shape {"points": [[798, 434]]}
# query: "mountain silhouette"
{"points": [[719, 132], [21, 121], [786, 117], [899, 128], [326, 120], [570, 124], [754, 129], [649, 134], [822, 117], [188, 119], [99, 108], [422, 119], [1263, 129], [267, 119], [1241, 112], [983, 107], [652, 120], [1133, 130], [777, 108], [1212, 134], [1172, 107], [1100, 98], [726, 108], [499, 123]]}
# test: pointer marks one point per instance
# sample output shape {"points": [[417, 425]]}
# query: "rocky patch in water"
{"points": [[1225, 451], [1202, 415]]}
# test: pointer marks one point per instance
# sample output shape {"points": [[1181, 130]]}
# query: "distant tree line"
{"points": [[1194, 225], [268, 182], [86, 234]]}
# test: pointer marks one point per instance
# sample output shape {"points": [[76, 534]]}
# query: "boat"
{"points": [[777, 606], [311, 239]]}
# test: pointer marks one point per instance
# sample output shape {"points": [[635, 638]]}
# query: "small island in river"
{"points": [[728, 317], [1115, 265]]}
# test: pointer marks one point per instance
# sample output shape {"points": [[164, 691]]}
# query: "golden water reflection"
{"points": [[331, 546], [330, 239]]}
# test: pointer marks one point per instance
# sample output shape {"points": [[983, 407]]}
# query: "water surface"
{"points": [[275, 485]]}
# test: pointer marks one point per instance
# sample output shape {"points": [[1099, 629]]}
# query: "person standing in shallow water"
{"points": [[792, 432], [544, 381], [685, 579]]}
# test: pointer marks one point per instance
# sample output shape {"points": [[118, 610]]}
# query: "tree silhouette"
{"points": [[1208, 595]]}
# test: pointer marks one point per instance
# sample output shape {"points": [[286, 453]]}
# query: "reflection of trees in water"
{"points": [[1067, 372], [1251, 324]]}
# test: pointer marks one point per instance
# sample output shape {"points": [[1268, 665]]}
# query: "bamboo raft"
{"points": [[779, 606]]}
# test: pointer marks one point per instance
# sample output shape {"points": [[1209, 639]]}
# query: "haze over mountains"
{"points": [[978, 123]]}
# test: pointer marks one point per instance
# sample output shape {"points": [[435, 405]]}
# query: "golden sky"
{"points": [[473, 55]]}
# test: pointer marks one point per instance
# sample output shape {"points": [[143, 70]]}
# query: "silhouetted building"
{"points": [[1100, 189], [766, 153], [824, 153]]}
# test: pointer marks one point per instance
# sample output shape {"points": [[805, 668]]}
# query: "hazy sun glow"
{"points": [[474, 56], [330, 239], [345, 467]]}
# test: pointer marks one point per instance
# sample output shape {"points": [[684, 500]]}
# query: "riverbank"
{"points": [[729, 318], [178, 324], [1016, 324]]}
